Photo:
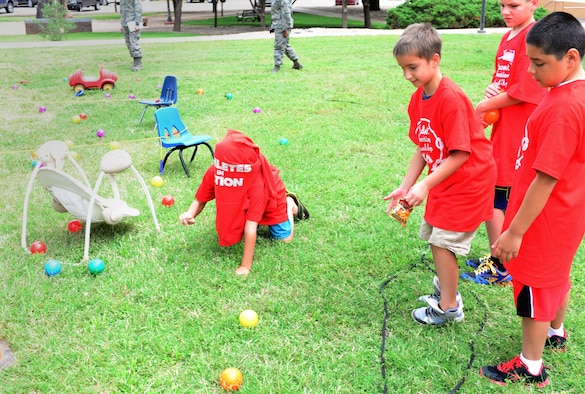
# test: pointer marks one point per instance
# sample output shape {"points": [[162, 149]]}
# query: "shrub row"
{"points": [[449, 14]]}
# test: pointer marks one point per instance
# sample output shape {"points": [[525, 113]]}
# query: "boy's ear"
{"points": [[534, 4], [573, 57], [436, 59]]}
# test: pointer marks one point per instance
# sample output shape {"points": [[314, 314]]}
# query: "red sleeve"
{"points": [[206, 190], [521, 85]]}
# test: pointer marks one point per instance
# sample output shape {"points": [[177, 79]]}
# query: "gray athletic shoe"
{"points": [[434, 315], [436, 296]]}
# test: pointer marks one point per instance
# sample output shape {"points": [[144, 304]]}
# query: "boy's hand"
{"points": [[507, 246], [417, 194], [492, 90], [394, 196], [186, 219]]}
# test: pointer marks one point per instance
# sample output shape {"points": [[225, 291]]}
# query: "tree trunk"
{"points": [[367, 16], [344, 14], [260, 7], [40, 6], [177, 10]]}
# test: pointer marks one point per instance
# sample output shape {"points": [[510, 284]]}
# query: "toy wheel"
{"points": [[78, 87], [108, 86]]}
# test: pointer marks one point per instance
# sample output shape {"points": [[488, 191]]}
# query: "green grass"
{"points": [[302, 21], [163, 317]]}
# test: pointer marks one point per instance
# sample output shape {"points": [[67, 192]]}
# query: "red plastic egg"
{"points": [[168, 201], [74, 226], [38, 247]]}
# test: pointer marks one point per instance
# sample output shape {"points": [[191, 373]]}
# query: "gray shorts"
{"points": [[456, 242]]}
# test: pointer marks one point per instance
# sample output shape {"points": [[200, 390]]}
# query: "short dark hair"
{"points": [[556, 33], [419, 39]]}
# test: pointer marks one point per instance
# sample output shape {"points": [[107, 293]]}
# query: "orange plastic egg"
{"points": [[231, 379], [492, 116]]}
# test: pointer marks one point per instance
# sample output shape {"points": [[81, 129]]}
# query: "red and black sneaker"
{"points": [[557, 343], [514, 371]]}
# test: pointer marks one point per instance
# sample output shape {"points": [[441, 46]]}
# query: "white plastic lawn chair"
{"points": [[79, 199]]}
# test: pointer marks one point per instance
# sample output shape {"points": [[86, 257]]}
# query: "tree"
{"points": [[367, 17], [260, 7], [178, 10], [41, 4], [367, 6]]}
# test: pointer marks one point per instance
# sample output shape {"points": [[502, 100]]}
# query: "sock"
{"points": [[533, 366], [559, 331]]}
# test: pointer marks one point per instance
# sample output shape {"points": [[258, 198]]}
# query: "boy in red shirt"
{"points": [[450, 140], [544, 224], [515, 94], [248, 192]]}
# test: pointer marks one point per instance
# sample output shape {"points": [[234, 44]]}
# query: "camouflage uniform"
{"points": [[131, 12], [282, 21]]}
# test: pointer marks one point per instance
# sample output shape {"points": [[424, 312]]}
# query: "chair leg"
{"points": [[142, 115], [210, 149], [162, 166], [194, 153], [183, 163]]}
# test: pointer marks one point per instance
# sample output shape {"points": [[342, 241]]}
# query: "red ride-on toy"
{"points": [[106, 80]]}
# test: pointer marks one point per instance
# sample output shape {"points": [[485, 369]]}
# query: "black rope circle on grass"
{"points": [[425, 262]]}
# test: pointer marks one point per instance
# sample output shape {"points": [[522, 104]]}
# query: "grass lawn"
{"points": [[163, 316]]}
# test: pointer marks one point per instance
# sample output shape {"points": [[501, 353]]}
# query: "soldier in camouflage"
{"points": [[131, 20], [282, 24]]}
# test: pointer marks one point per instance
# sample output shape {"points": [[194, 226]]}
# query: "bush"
{"points": [[448, 14], [57, 25]]}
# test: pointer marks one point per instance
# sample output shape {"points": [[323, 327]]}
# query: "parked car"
{"points": [[349, 2], [105, 81], [80, 4], [8, 5], [26, 3]]}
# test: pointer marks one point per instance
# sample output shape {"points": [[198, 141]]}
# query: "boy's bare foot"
{"points": [[242, 270]]}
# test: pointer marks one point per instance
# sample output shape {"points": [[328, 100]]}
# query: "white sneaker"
{"points": [[434, 315], [436, 296]]}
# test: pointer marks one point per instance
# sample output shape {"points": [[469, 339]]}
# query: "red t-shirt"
{"points": [[443, 123], [511, 74], [245, 187], [553, 143]]}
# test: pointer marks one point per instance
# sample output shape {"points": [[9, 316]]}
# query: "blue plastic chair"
{"points": [[168, 96], [173, 135]]}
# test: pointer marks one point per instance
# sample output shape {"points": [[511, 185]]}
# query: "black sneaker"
{"points": [[557, 343], [513, 371], [303, 212]]}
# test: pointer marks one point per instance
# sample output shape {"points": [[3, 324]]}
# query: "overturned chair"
{"points": [[77, 196]]}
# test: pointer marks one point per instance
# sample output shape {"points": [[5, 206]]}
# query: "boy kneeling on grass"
{"points": [[544, 225], [248, 192]]}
